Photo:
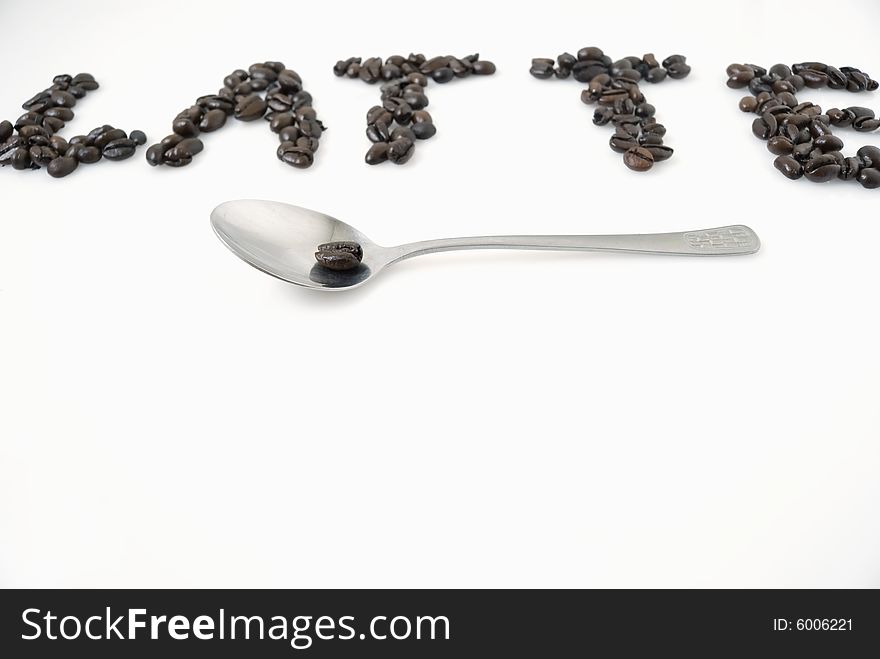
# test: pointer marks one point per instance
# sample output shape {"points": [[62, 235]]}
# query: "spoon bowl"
{"points": [[280, 240]]}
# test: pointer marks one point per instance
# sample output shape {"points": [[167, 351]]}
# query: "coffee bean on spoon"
{"points": [[339, 256]]}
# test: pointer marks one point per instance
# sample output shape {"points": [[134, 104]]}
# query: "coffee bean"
{"points": [[659, 152], [378, 153], [84, 154], [779, 145], [186, 148], [185, 128], [42, 155], [443, 75], [62, 99], [249, 108], [789, 167], [296, 156], [821, 169], [869, 156], [748, 104], [869, 177], [401, 150], [424, 130], [155, 154], [119, 149], [289, 134], [621, 143], [638, 159], [310, 143], [62, 166], [764, 126], [339, 256]]}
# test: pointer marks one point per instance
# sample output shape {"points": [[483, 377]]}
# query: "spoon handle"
{"points": [[721, 241]]}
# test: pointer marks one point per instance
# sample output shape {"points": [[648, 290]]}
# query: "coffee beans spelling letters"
{"points": [[400, 119], [283, 104], [800, 133], [613, 85], [37, 142]]}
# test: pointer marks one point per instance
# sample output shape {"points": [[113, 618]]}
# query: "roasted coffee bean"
{"points": [[280, 121], [62, 99], [378, 153], [401, 150], [403, 132], [378, 132], [6, 129], [58, 143], [660, 152], [443, 75], [310, 143], [822, 168], [542, 68], [828, 142], [84, 154], [289, 81], [155, 154], [869, 156], [212, 120], [62, 166], [27, 132], [869, 177], [185, 128], [289, 134], [748, 104], [108, 136], [42, 155], [186, 148], [424, 130], [789, 167], [622, 144], [849, 170], [119, 149], [295, 156], [813, 78], [866, 124], [764, 126], [740, 78], [340, 256], [306, 113], [311, 127], [249, 108], [779, 145], [638, 159], [21, 158]]}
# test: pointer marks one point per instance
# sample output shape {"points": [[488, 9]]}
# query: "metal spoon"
{"points": [[280, 239]]}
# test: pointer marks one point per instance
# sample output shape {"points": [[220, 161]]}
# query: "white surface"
{"points": [[171, 417]]}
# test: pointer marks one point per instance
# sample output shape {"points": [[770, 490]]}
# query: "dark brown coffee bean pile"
{"points": [[38, 144], [343, 255], [268, 90], [798, 133], [394, 126], [613, 85]]}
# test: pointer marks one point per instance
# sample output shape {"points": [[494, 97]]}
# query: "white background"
{"points": [[171, 417]]}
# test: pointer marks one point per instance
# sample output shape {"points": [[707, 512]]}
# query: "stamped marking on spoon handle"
{"points": [[720, 241]]}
